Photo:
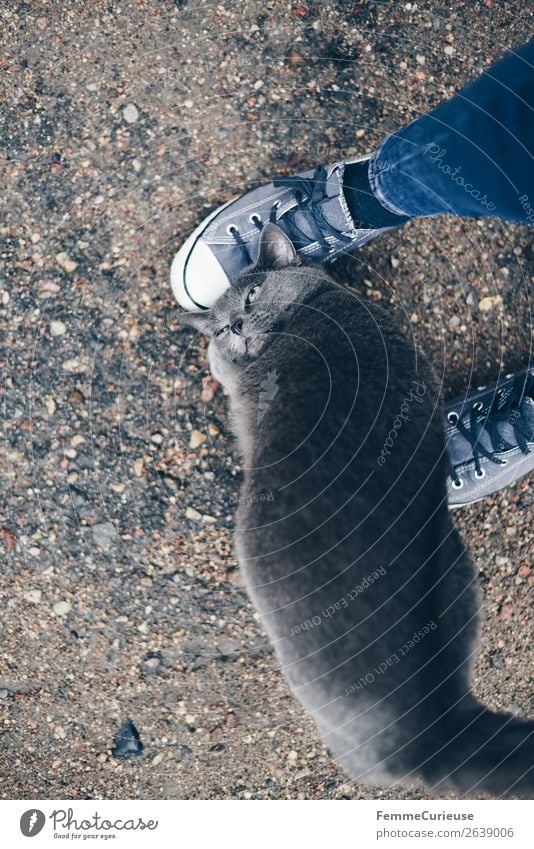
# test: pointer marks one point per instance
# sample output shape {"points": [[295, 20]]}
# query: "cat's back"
{"points": [[340, 369], [342, 408]]}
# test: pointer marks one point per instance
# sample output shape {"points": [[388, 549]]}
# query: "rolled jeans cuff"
{"points": [[395, 173]]}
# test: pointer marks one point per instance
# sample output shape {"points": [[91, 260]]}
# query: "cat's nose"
{"points": [[237, 327]]}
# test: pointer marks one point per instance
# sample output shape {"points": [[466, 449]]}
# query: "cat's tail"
{"points": [[481, 751]]}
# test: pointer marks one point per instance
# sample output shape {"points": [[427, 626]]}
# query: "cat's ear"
{"points": [[276, 250], [200, 319]]}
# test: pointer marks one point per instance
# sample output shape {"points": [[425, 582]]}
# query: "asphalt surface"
{"points": [[122, 125]]}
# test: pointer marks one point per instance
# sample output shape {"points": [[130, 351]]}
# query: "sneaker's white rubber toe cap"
{"points": [[197, 276]]}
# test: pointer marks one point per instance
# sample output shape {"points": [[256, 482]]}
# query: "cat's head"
{"points": [[260, 303]]}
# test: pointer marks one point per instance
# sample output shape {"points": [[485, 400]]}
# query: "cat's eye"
{"points": [[223, 330], [253, 294]]}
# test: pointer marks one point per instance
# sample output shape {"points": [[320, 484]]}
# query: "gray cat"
{"points": [[343, 532]]}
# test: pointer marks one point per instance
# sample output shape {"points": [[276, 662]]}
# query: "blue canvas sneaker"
{"points": [[490, 437], [310, 208]]}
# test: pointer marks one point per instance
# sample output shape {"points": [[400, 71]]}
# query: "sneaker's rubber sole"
{"points": [[181, 292]]}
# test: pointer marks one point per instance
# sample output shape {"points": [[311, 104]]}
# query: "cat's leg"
{"points": [[223, 369]]}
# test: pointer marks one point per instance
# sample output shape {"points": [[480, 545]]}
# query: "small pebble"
{"points": [[74, 365], [191, 513], [130, 113], [33, 596], [47, 287], [295, 58], [65, 262], [76, 397], [57, 328], [209, 388], [127, 741], [196, 438], [61, 608], [104, 534], [489, 302], [229, 649]]}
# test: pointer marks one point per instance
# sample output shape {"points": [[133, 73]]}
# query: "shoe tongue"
{"points": [[333, 207], [461, 450]]}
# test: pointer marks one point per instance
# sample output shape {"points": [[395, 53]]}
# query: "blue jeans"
{"points": [[472, 155]]}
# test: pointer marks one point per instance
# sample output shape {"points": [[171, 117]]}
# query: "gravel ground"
{"points": [[122, 124]]}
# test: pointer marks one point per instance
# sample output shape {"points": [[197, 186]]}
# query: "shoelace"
{"points": [[489, 420], [310, 194]]}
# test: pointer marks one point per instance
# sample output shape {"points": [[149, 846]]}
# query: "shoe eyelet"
{"points": [[457, 484], [231, 228], [504, 462], [478, 405], [480, 388], [508, 376], [481, 475], [453, 418], [255, 217]]}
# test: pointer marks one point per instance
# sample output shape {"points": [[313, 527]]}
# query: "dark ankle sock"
{"points": [[366, 210]]}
